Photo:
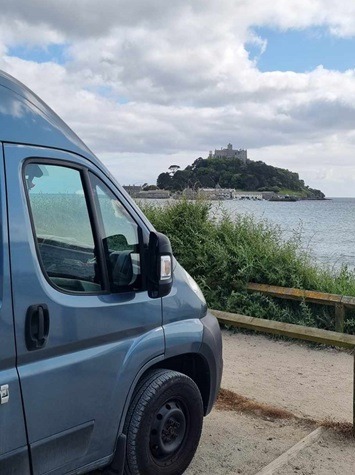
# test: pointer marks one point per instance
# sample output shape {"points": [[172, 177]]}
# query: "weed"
{"points": [[224, 253]]}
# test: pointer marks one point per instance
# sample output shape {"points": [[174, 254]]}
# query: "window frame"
{"points": [[96, 225]]}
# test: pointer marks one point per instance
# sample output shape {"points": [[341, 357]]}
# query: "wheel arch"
{"points": [[195, 367]]}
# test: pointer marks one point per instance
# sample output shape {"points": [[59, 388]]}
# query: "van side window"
{"points": [[62, 227], [120, 239]]}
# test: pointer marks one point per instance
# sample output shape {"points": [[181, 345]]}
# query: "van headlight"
{"points": [[195, 287]]}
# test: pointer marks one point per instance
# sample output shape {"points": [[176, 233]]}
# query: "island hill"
{"points": [[228, 173]]}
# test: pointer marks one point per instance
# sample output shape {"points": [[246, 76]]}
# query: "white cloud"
{"points": [[155, 82]]}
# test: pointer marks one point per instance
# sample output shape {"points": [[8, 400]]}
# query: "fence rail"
{"points": [[293, 331], [339, 302]]}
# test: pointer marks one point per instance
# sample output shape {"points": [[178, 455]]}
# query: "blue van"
{"points": [[108, 356]]}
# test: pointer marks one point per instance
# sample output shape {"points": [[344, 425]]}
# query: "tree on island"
{"points": [[173, 169]]}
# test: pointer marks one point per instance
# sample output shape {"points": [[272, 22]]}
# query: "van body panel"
{"points": [[67, 446], [95, 347], [15, 462], [26, 119], [211, 351], [13, 443], [183, 337], [177, 309]]}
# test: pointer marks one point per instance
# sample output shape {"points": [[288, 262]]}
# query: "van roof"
{"points": [[26, 119]]}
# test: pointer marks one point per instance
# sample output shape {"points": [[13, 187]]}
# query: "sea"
{"points": [[326, 228]]}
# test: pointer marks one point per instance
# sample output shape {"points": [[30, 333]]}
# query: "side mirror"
{"points": [[160, 265]]}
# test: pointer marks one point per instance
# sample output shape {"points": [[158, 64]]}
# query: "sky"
{"points": [[151, 83]]}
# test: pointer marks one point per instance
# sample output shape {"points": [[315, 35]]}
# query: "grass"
{"points": [[223, 254]]}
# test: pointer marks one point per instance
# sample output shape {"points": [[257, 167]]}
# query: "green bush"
{"points": [[224, 254]]}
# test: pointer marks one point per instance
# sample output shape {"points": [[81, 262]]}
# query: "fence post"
{"points": [[354, 396], [339, 317]]}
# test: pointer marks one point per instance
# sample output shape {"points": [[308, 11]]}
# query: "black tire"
{"points": [[163, 424]]}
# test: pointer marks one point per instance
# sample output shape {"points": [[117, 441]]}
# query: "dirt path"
{"points": [[331, 455], [234, 443], [307, 381]]}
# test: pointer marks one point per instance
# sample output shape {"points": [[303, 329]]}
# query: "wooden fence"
{"points": [[339, 302]]}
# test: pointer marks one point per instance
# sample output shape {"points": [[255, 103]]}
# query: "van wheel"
{"points": [[163, 424]]}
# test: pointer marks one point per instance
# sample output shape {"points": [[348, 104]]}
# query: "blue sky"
{"points": [[302, 50], [40, 54]]}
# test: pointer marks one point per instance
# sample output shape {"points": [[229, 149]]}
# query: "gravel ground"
{"points": [[234, 443], [309, 382], [331, 455]]}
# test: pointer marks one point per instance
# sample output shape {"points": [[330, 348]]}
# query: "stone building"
{"points": [[217, 193], [154, 194], [229, 152], [133, 190], [248, 195]]}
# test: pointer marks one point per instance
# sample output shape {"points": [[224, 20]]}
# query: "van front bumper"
{"points": [[211, 350]]}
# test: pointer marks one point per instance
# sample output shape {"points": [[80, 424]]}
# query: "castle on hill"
{"points": [[229, 152]]}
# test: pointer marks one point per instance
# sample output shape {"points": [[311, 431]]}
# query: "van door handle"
{"points": [[37, 326]]}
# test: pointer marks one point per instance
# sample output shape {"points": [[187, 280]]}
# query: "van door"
{"points": [[13, 442], [84, 323]]}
